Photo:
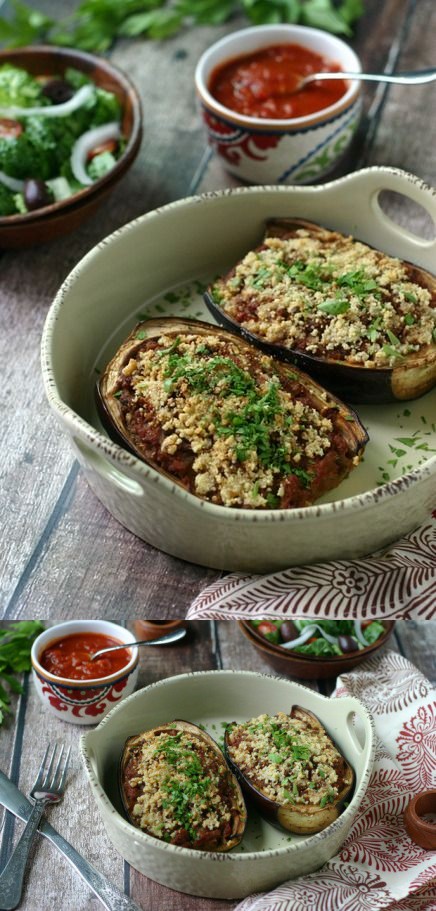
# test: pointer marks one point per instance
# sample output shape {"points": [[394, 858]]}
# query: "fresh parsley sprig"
{"points": [[94, 25], [16, 641]]}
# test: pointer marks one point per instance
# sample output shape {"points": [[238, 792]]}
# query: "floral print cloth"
{"points": [[398, 582], [379, 867]]}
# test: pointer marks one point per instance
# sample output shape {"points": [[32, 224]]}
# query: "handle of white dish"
{"points": [[107, 469], [362, 740], [367, 185]]}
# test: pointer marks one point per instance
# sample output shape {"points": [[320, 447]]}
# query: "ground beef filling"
{"points": [[330, 296], [289, 759], [178, 790], [224, 423]]}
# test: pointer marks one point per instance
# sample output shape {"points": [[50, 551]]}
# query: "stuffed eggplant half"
{"points": [[290, 769], [176, 786], [360, 322], [233, 426]]}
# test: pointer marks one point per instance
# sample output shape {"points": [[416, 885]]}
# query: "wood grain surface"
{"points": [[51, 885], [59, 546]]}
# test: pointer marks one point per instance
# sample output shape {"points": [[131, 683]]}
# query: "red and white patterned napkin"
{"points": [[398, 583], [379, 867]]}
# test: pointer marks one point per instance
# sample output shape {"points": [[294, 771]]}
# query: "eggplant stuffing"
{"points": [[176, 786], [230, 424], [361, 322], [290, 769]]}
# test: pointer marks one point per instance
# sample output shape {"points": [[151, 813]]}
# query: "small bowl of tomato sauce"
{"points": [[69, 683], [263, 130]]}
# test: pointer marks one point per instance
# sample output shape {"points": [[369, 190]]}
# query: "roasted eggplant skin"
{"points": [[411, 377], [299, 819], [350, 432], [204, 745]]}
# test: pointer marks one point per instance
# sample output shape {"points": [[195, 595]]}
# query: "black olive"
{"points": [[36, 194], [288, 631], [347, 644], [58, 91]]}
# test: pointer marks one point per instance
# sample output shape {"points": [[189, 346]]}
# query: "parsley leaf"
{"points": [[16, 642], [334, 306], [94, 25]]}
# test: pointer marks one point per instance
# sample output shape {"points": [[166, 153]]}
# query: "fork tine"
{"points": [[61, 770], [40, 776], [48, 775]]}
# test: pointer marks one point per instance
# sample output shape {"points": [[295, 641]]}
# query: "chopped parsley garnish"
{"points": [[359, 283], [257, 424], [308, 274], [188, 785], [334, 306]]}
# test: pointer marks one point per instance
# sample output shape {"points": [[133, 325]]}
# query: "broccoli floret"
{"points": [[106, 108], [100, 165], [7, 201], [76, 78], [20, 158], [18, 88]]}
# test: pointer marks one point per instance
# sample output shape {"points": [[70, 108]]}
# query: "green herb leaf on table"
{"points": [[16, 642], [95, 24]]}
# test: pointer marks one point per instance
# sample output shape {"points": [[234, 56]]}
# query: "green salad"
{"points": [[58, 135], [320, 638]]}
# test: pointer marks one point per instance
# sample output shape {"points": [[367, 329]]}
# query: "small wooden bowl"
{"points": [[422, 832], [152, 629], [309, 667], [25, 230]]}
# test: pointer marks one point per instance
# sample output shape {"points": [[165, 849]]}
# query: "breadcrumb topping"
{"points": [[221, 419], [330, 295], [291, 760], [184, 793]]}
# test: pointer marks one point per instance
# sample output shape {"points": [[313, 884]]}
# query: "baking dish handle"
{"points": [[360, 730], [369, 183], [107, 469]]}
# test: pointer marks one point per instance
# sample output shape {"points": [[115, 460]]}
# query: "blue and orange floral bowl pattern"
{"points": [[262, 151], [88, 701]]}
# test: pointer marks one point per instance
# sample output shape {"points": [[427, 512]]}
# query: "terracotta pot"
{"points": [[151, 629]]}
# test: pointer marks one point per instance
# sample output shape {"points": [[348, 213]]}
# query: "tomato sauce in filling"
{"points": [[70, 657], [264, 83]]}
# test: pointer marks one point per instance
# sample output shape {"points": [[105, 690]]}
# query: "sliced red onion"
{"points": [[301, 639], [358, 633], [86, 143], [52, 110], [334, 640], [12, 183]]}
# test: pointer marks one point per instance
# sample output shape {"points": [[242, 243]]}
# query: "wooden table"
{"points": [[23, 737], [60, 547]]}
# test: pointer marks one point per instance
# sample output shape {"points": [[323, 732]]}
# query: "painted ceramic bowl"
{"points": [[158, 265], [266, 856], [51, 221], [310, 667], [296, 150], [83, 701]]}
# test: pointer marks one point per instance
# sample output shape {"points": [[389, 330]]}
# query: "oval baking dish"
{"points": [[159, 265], [266, 855]]}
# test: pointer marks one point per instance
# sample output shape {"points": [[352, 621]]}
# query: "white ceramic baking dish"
{"points": [[157, 265], [266, 856]]}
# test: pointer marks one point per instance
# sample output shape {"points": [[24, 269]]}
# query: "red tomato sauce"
{"points": [[263, 84], [70, 657]]}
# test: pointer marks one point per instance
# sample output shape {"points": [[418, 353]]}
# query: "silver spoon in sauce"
{"points": [[407, 78], [174, 636]]}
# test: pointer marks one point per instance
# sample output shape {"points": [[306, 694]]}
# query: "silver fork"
{"points": [[48, 789]]}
